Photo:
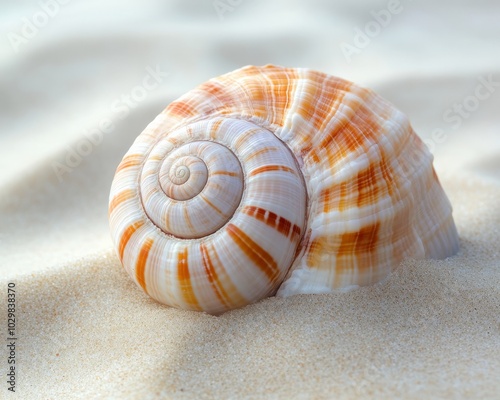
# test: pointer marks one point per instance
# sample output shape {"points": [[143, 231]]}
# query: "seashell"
{"points": [[273, 180]]}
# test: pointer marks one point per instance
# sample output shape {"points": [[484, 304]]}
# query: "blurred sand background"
{"points": [[84, 329]]}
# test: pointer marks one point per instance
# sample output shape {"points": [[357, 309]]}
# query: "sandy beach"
{"points": [[86, 81]]}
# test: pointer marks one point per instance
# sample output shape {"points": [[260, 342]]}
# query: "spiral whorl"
{"points": [[193, 190], [220, 211], [182, 178]]}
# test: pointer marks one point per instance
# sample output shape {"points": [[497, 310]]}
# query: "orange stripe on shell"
{"points": [[254, 252], [141, 263]]}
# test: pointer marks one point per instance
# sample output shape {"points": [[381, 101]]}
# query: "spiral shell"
{"points": [[271, 179]]}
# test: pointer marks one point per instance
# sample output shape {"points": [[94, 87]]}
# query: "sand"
{"points": [[83, 328]]}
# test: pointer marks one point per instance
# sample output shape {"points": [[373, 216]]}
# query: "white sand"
{"points": [[84, 329]]}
